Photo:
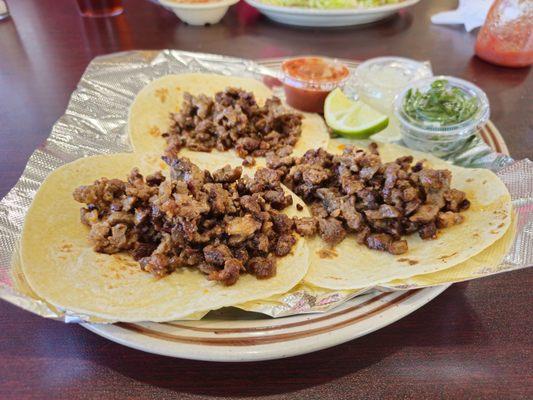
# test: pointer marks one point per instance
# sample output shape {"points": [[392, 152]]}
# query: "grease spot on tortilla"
{"points": [[154, 131], [66, 248], [327, 253], [408, 261], [470, 180], [161, 94], [494, 231], [484, 182], [444, 258]]}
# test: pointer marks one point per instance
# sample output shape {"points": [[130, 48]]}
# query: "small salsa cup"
{"points": [[308, 80]]}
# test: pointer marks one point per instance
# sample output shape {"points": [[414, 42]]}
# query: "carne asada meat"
{"points": [[234, 120], [221, 223], [379, 203]]}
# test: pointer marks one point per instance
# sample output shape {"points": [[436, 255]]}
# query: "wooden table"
{"points": [[473, 341]]}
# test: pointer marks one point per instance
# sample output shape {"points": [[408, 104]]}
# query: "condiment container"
{"points": [[199, 12], [435, 137], [308, 80], [380, 79]]}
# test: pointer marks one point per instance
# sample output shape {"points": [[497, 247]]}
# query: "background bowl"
{"points": [[199, 13]]}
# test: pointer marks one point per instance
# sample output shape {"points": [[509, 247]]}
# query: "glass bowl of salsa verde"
{"points": [[440, 114], [308, 80]]}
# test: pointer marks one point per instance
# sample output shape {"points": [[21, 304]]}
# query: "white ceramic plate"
{"points": [[328, 18], [234, 335]]}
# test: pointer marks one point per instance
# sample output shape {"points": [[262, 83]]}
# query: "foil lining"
{"points": [[95, 122]]}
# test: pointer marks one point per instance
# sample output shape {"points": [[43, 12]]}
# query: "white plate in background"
{"points": [[314, 17]]}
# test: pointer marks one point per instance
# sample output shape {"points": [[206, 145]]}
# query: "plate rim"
{"points": [[270, 351], [331, 12]]}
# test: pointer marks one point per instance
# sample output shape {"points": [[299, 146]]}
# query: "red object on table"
{"points": [[506, 38]]}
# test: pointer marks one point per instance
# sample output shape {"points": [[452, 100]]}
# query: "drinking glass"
{"points": [[100, 8]]}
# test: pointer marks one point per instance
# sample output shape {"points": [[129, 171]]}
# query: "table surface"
{"points": [[473, 341]]}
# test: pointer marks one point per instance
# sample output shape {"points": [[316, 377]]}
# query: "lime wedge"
{"points": [[352, 118]]}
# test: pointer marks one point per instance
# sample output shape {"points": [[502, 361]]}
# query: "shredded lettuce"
{"points": [[330, 4]]}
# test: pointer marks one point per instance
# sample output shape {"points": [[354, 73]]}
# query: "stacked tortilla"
{"points": [[62, 268]]}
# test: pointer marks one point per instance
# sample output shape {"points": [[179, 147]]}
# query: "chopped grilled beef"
{"points": [[456, 200], [331, 230], [261, 267], [354, 192], [448, 218], [229, 274], [284, 245], [398, 247], [428, 231], [306, 226], [384, 211], [425, 214], [379, 241], [227, 174], [243, 227], [217, 254], [282, 223], [223, 224], [233, 119]]}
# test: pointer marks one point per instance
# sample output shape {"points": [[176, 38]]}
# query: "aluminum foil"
{"points": [[95, 121]]}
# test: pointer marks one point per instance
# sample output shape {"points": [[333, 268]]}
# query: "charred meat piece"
{"points": [[282, 223], [350, 215], [261, 267], [306, 226], [227, 174], [157, 264], [456, 200], [448, 218], [217, 254], [284, 245], [243, 227], [331, 230], [428, 231], [425, 214], [229, 274], [398, 247], [383, 212], [379, 241]]}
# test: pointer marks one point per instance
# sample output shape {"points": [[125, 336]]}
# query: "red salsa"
{"points": [[308, 80]]}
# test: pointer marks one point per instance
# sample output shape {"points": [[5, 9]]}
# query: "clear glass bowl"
{"points": [[432, 137], [380, 79]]}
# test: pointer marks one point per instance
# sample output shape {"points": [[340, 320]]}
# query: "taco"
{"points": [[390, 213], [179, 114], [485, 263], [117, 266]]}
